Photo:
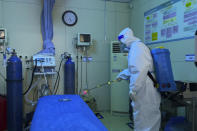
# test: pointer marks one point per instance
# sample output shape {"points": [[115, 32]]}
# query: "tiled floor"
{"points": [[116, 122]]}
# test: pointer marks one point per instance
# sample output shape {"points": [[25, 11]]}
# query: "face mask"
{"points": [[124, 48]]}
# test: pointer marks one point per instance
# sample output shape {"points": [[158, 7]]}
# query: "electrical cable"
{"points": [[81, 74], [77, 74], [25, 83], [86, 53], [56, 87], [32, 77], [58, 84], [58, 77]]}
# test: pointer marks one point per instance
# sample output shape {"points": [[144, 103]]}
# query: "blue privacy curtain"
{"points": [[47, 28]]}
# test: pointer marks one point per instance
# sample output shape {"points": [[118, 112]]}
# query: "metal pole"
{"points": [[193, 114]]}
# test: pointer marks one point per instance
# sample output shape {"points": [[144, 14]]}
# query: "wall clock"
{"points": [[69, 18]]}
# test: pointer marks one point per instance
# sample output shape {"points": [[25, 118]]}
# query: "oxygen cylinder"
{"points": [[163, 69], [69, 76], [14, 93]]}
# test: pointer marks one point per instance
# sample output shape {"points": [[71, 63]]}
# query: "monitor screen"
{"points": [[84, 37], [2, 34]]}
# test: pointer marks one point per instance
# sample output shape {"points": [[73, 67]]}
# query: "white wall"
{"points": [[184, 71], [22, 20]]}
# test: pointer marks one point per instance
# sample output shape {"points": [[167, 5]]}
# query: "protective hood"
{"points": [[127, 37]]}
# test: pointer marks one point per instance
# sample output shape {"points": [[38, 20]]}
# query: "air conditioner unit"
{"points": [[119, 90]]}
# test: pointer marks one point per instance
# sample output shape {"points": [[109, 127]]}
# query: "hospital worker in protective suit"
{"points": [[145, 97]]}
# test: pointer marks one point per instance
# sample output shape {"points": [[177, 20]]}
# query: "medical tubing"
{"points": [[35, 91], [32, 77], [45, 78], [27, 94]]}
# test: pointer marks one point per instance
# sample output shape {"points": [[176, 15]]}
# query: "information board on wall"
{"points": [[171, 21]]}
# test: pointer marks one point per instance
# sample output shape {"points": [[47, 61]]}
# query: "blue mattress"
{"points": [[52, 114]]}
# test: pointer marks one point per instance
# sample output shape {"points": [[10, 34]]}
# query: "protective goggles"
{"points": [[120, 37]]}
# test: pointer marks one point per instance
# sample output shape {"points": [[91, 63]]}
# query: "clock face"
{"points": [[69, 18]]}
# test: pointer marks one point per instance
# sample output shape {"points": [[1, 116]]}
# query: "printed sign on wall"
{"points": [[171, 21]]}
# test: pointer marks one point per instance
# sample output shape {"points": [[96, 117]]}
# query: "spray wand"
{"points": [[86, 91]]}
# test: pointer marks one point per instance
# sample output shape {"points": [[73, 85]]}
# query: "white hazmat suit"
{"points": [[145, 97]]}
